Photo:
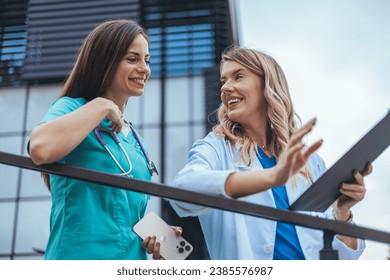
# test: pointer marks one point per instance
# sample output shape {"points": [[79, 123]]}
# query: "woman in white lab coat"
{"points": [[256, 153]]}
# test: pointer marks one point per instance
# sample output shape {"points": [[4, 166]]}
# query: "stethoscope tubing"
{"points": [[124, 173], [151, 167]]}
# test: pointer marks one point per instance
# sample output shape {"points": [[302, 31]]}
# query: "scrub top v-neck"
{"points": [[287, 246]]}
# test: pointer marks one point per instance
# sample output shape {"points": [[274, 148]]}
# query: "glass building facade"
{"points": [[38, 43]]}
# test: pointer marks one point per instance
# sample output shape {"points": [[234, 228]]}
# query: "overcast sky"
{"points": [[336, 56]]}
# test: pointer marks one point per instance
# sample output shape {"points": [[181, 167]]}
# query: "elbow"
{"points": [[39, 151], [229, 188], [37, 155], [229, 192]]}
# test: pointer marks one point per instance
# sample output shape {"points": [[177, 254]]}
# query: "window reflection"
{"points": [[185, 49], [13, 38]]}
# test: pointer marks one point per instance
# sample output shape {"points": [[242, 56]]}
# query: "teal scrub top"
{"points": [[91, 221]]}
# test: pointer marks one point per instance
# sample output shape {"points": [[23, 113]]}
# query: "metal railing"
{"points": [[329, 227]]}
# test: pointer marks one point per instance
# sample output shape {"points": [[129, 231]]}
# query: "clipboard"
{"points": [[322, 193]]}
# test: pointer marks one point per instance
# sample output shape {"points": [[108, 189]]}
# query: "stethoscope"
{"points": [[151, 166]]}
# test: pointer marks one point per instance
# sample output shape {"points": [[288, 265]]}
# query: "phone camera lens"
{"points": [[181, 250], [188, 248], [182, 243]]}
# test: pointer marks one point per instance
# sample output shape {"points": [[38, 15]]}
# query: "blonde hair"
{"points": [[281, 117]]}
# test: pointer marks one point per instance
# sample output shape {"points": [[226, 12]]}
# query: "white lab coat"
{"points": [[231, 236]]}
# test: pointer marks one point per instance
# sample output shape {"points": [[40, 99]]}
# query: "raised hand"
{"points": [[294, 157], [116, 117]]}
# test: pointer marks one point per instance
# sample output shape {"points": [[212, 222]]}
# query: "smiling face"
{"points": [[132, 73], [242, 94]]}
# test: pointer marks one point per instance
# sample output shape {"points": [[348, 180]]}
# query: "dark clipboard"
{"points": [[322, 193]]}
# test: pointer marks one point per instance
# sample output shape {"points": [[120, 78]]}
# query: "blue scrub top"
{"points": [[91, 221], [287, 246]]}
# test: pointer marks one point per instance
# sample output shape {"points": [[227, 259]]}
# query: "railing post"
{"points": [[328, 253]]}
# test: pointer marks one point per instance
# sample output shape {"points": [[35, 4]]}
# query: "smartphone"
{"points": [[172, 247]]}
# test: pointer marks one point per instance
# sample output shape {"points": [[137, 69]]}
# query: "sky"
{"points": [[336, 58]]}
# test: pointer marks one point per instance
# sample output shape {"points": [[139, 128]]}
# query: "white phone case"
{"points": [[172, 247]]}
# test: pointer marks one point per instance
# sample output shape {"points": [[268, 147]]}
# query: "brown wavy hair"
{"points": [[281, 117], [98, 59]]}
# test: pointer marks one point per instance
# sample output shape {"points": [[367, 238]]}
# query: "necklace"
{"points": [[265, 147]]}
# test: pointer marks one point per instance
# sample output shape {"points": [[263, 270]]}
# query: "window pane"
{"points": [[13, 33], [7, 213], [11, 109], [177, 103], [41, 98], [32, 185], [188, 49], [133, 110], [33, 226], [177, 147], [152, 101], [198, 89], [198, 132], [9, 174]]}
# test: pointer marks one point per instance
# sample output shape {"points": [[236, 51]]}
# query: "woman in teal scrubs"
{"points": [[91, 221]]}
